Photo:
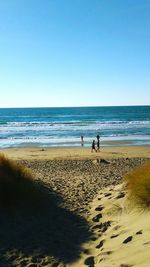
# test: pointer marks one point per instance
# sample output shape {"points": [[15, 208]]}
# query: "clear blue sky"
{"points": [[74, 53]]}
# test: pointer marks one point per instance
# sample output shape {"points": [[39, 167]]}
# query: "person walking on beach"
{"points": [[82, 140], [93, 146], [98, 143]]}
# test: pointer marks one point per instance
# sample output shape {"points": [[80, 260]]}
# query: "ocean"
{"points": [[55, 127]]}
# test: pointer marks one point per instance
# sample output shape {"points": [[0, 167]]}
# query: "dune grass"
{"points": [[17, 186], [138, 185]]}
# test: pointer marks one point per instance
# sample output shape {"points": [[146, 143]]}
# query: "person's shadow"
{"points": [[48, 230]]}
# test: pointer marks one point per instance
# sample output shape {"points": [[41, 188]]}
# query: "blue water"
{"points": [[46, 127]]}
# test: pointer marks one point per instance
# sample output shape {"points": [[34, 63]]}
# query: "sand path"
{"points": [[75, 230]]}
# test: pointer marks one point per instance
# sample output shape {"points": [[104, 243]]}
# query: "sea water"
{"points": [[50, 127]]}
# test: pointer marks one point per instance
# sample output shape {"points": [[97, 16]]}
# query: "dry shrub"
{"points": [[138, 184], [17, 187]]}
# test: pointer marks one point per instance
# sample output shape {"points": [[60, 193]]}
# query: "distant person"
{"points": [[98, 143], [82, 142], [93, 146]]}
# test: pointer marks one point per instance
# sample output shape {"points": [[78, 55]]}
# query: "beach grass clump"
{"points": [[17, 187], [138, 184]]}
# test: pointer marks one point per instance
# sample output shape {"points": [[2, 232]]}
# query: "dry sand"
{"points": [[84, 224], [122, 233], [77, 152]]}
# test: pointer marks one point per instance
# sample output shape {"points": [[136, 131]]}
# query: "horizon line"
{"points": [[139, 105]]}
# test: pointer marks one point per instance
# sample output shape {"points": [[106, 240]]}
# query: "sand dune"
{"points": [[121, 232], [90, 221]]}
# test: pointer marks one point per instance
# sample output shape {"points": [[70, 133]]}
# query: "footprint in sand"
{"points": [[105, 225], [107, 253], [120, 195], [97, 217], [114, 236], [116, 227], [139, 232], [146, 243], [107, 194], [94, 238], [89, 261], [86, 251], [102, 227], [125, 265], [99, 208], [128, 239], [100, 244]]}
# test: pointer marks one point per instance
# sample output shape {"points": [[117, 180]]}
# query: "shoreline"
{"points": [[36, 153], [87, 143]]}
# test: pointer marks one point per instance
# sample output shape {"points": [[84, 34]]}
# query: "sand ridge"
{"points": [[121, 233]]}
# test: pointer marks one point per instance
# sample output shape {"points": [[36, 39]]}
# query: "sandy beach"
{"points": [[74, 133], [87, 222], [76, 152]]}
